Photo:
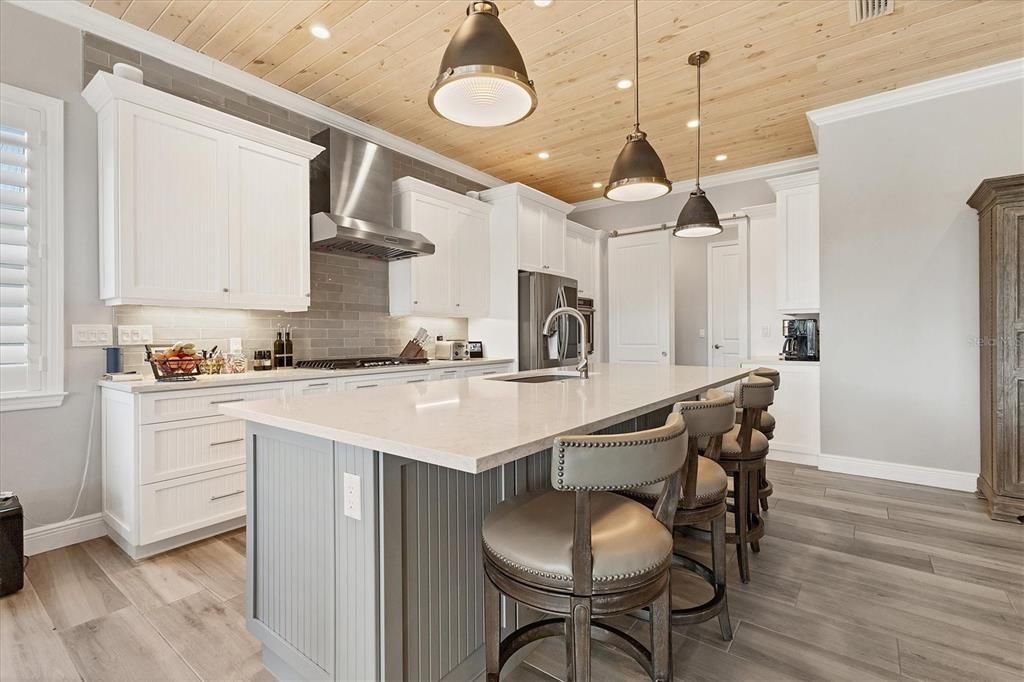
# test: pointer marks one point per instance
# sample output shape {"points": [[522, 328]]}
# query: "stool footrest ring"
{"points": [[692, 615]]}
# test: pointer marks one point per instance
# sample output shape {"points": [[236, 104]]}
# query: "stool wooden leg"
{"points": [[492, 629], [661, 636], [719, 563], [762, 483], [753, 509], [741, 498], [579, 649]]}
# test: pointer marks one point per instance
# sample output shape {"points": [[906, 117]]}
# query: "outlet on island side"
{"points": [[353, 500]]}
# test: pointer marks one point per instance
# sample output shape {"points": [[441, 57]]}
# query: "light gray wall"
{"points": [[899, 274], [42, 451], [725, 199]]}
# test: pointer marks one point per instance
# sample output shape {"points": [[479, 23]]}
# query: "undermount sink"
{"points": [[538, 378]]}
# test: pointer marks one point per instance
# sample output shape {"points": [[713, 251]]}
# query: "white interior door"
{"points": [[640, 315], [724, 283]]}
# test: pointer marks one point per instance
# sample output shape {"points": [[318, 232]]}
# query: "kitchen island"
{"points": [[364, 508]]}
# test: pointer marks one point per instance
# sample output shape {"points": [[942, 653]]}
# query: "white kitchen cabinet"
{"points": [[455, 280], [796, 250], [581, 258], [541, 237], [536, 221], [797, 410], [197, 207]]}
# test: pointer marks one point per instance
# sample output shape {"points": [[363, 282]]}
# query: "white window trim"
{"points": [[51, 394]]}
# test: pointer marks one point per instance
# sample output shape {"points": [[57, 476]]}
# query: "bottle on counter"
{"points": [[278, 351], [289, 350]]}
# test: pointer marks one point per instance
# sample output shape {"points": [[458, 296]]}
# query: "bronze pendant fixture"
{"points": [[698, 217], [638, 173], [482, 81]]}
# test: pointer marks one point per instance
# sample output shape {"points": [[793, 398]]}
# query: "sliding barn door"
{"points": [[640, 316]]}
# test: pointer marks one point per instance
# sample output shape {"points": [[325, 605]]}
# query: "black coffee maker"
{"points": [[801, 339]]}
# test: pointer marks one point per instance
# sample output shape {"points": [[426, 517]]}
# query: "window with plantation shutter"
{"points": [[31, 237]]}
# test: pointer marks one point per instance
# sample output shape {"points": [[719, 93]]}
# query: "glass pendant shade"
{"points": [[698, 217], [638, 173], [482, 81]]}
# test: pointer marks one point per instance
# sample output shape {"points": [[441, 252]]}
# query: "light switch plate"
{"points": [[766, 331], [134, 334], [701, 333], [353, 499], [92, 335]]}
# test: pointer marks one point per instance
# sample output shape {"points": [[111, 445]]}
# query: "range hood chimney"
{"points": [[350, 199]]}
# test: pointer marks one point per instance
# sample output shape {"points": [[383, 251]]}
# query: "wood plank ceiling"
{"points": [[771, 62]]}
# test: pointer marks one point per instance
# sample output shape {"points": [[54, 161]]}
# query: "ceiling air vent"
{"points": [[863, 10]]}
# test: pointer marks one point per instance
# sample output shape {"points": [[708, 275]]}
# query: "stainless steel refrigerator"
{"points": [[539, 294]]}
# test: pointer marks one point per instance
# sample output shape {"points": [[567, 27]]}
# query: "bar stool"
{"points": [[702, 501], [767, 427], [743, 453], [581, 552]]}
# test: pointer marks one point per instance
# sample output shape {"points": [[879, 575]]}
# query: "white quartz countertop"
{"points": [[151, 385], [775, 360], [477, 424]]}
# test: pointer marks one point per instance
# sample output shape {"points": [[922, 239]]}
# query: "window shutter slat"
{"points": [[14, 354], [11, 216], [11, 254], [13, 315], [10, 234], [11, 175], [13, 296], [13, 197], [13, 136], [13, 156]]}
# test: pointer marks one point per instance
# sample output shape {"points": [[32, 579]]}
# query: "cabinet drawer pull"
{"points": [[325, 383], [414, 381], [367, 385], [226, 442], [221, 497], [226, 400]]}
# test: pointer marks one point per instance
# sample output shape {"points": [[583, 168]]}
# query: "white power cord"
{"points": [[85, 468]]}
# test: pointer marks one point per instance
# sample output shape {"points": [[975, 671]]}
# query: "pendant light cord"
{"points": [[700, 123], [636, 64]]}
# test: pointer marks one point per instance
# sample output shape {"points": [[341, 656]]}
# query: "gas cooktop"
{"points": [[357, 363]]}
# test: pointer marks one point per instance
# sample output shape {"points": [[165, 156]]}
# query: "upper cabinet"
{"points": [[796, 250], [198, 207], [455, 279], [540, 224], [581, 258]]}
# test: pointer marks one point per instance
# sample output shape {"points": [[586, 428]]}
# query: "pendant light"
{"points": [[698, 217], [482, 81], [637, 174]]}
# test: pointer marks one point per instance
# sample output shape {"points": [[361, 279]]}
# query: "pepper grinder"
{"points": [[289, 352]]}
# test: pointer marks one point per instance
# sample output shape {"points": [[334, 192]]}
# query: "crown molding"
{"points": [[794, 181], [83, 17], [760, 211], [762, 172], [518, 189], [919, 92]]}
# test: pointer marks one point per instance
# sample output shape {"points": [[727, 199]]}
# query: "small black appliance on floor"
{"points": [[12, 546]]}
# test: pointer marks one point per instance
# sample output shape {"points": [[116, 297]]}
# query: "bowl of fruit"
{"points": [[179, 362]]}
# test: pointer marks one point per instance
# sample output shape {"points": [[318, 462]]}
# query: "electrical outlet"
{"points": [[134, 334], [353, 501], [92, 335], [235, 344], [766, 331]]}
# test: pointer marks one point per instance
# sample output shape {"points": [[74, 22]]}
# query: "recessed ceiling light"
{"points": [[692, 123], [624, 84], [543, 155], [320, 31], [721, 157], [543, 3], [597, 185]]}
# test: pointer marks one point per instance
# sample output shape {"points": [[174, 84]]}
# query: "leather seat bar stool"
{"points": [[702, 502], [742, 456], [767, 427], [580, 552]]}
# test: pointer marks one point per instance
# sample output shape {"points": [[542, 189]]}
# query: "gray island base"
{"points": [[366, 565]]}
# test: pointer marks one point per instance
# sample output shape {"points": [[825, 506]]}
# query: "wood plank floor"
{"points": [[858, 579]]}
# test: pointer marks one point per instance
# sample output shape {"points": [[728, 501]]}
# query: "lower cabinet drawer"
{"points": [[175, 449], [203, 402], [181, 505]]}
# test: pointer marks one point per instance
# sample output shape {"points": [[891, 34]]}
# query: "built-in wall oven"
{"points": [[586, 307]]}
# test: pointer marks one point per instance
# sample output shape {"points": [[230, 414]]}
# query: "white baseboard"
{"points": [[904, 473], [804, 458], [55, 535]]}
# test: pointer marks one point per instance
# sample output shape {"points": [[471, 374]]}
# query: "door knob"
{"points": [[664, 354], [716, 346]]}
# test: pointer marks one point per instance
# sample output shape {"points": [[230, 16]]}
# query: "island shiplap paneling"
{"points": [[293, 546], [443, 515]]}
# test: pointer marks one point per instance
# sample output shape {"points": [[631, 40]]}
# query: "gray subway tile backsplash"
{"points": [[348, 313]]}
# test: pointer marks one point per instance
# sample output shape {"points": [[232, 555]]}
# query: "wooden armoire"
{"points": [[1000, 206]]}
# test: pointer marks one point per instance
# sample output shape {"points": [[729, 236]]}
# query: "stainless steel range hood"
{"points": [[350, 199]]}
